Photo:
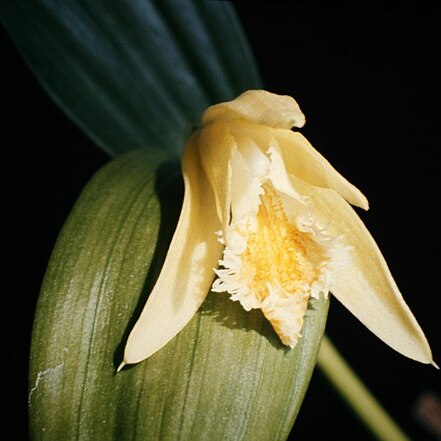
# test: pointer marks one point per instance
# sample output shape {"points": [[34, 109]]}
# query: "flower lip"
{"points": [[275, 256]]}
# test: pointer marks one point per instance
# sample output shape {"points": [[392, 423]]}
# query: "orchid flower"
{"points": [[267, 217]]}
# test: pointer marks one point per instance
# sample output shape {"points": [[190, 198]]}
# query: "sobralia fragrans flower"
{"points": [[267, 217]]}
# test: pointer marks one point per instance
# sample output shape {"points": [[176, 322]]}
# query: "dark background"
{"points": [[368, 81]]}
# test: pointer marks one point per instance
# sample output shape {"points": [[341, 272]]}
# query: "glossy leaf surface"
{"points": [[133, 74]]}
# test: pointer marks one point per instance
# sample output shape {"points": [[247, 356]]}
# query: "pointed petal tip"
{"points": [[364, 203], [434, 365], [358, 199], [121, 366]]}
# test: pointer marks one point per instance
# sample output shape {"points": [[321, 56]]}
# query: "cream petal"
{"points": [[260, 107], [301, 159], [279, 176], [187, 274], [215, 144], [365, 286], [245, 199], [256, 159], [305, 162]]}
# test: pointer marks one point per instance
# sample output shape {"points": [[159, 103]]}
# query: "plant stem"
{"points": [[357, 396]]}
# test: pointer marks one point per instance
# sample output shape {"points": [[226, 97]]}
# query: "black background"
{"points": [[368, 81]]}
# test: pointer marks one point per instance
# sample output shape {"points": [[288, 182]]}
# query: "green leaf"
{"points": [[225, 377], [134, 73]]}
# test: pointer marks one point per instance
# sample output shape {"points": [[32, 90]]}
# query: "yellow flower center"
{"points": [[272, 264], [278, 253]]}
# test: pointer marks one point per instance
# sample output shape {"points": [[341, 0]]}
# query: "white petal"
{"points": [[254, 156], [366, 287], [187, 274], [305, 162]]}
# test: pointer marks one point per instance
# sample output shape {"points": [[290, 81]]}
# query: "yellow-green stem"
{"points": [[355, 393]]}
